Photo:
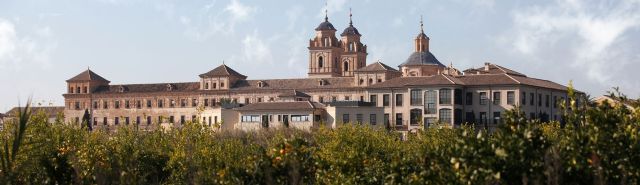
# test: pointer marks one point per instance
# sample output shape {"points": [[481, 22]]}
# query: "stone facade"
{"points": [[422, 91]]}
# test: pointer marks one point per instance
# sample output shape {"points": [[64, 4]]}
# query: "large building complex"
{"points": [[341, 88]]}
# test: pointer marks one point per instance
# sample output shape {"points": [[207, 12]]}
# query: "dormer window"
{"points": [[322, 82], [170, 87], [122, 89], [262, 84]]}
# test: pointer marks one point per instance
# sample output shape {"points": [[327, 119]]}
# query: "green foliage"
{"points": [[595, 145]]}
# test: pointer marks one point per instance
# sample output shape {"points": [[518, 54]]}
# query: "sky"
{"points": [[595, 44]]}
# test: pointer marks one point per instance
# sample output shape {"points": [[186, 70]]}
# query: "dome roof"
{"points": [[422, 35], [422, 58], [350, 31], [326, 25]]}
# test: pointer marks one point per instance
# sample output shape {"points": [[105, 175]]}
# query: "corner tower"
{"points": [[324, 51], [354, 53]]}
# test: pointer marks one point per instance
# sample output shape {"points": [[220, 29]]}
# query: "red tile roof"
{"points": [[87, 75], [223, 70], [273, 106]]}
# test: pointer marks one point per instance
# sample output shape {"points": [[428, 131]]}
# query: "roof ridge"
{"points": [[512, 78]]}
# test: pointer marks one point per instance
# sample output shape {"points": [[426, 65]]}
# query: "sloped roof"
{"points": [[326, 25], [492, 69], [350, 31], [296, 83], [49, 111], [377, 66], [418, 81], [222, 70], [293, 93], [422, 58], [143, 88], [87, 75], [275, 106]]}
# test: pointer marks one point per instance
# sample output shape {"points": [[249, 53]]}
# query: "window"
{"points": [[445, 115], [325, 42], [555, 101], [359, 118], [346, 66], [385, 100], [372, 119], [182, 119], [457, 96], [370, 81], [469, 98], [496, 98], [148, 103], [496, 117], [246, 100], [299, 118], [105, 105], [540, 100], [138, 104], [483, 98], [523, 100], [457, 116], [160, 119], [333, 98], [531, 96], [321, 99], [172, 119], [398, 99], [71, 90], [320, 62], [374, 100], [78, 90], [546, 100], [250, 118], [398, 118], [194, 102], [104, 121], [206, 102], [445, 96], [416, 97], [126, 120], [214, 85], [470, 117], [95, 104], [206, 85], [116, 121], [221, 84], [138, 120], [126, 104], [483, 117], [183, 103], [347, 98], [511, 98], [85, 90], [95, 120], [77, 105], [160, 103], [345, 118], [430, 102], [259, 100], [148, 120], [386, 119], [213, 102], [117, 104]]}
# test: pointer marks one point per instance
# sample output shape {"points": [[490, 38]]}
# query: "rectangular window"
{"points": [[445, 116], [374, 100], [445, 96], [172, 103], [385, 100], [213, 102], [496, 118], [399, 119], [95, 120], [540, 100], [246, 100], [116, 121], [398, 99], [77, 105], [148, 120], [416, 97], [430, 102], [105, 105], [523, 100], [321, 99], [183, 103], [345, 118], [483, 98], [95, 104], [496, 98], [334, 99], [104, 121], [126, 104], [259, 100], [359, 118], [372, 119], [172, 119], [126, 120], [546, 100], [250, 118], [483, 117], [117, 104], [470, 117], [457, 96], [347, 98], [194, 102], [511, 98], [469, 98], [457, 116], [138, 104], [160, 103], [386, 119], [206, 102], [555, 101], [148, 103], [531, 97], [182, 119], [138, 120], [299, 118]]}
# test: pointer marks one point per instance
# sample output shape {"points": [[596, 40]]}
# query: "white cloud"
{"points": [[586, 33], [256, 50], [332, 6], [239, 11], [18, 51], [210, 20]]}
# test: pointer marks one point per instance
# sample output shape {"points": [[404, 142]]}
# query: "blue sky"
{"points": [[43, 43]]}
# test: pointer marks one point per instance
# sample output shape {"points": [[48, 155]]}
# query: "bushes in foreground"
{"points": [[601, 146]]}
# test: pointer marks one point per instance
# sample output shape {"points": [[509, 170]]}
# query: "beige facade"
{"points": [[420, 92]]}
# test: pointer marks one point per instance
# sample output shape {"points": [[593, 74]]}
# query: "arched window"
{"points": [[320, 62], [71, 90], [325, 42], [361, 81], [346, 66], [85, 90], [77, 89], [351, 47], [370, 80], [206, 85]]}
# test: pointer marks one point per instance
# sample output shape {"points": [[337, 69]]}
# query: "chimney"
{"points": [[486, 66]]}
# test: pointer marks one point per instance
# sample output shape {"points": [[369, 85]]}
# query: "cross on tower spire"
{"points": [[326, 12], [421, 25], [350, 15]]}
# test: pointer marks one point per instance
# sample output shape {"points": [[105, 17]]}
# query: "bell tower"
{"points": [[324, 51], [421, 43], [354, 53]]}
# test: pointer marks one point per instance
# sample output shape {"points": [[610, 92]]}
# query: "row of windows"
{"points": [[76, 90], [373, 120], [148, 120], [292, 118], [213, 85]]}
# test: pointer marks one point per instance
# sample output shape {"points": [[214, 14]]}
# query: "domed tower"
{"points": [[324, 51], [421, 62], [354, 53]]}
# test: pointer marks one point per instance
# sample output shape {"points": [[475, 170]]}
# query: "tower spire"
{"points": [[350, 15], [421, 25], [326, 12]]}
